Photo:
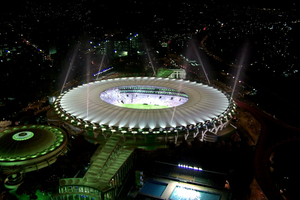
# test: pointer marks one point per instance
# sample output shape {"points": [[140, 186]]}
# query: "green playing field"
{"points": [[142, 106]]}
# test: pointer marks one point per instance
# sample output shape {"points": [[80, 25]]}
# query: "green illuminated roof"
{"points": [[23, 143], [23, 135]]}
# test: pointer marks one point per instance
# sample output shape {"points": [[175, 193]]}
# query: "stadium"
{"points": [[139, 107], [123, 114]]}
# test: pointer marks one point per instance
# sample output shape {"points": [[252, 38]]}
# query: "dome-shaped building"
{"points": [[29, 148]]}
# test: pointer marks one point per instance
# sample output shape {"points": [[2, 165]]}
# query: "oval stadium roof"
{"points": [[204, 103]]}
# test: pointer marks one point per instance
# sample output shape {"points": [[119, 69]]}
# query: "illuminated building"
{"points": [[29, 148], [142, 112], [121, 46], [206, 110]]}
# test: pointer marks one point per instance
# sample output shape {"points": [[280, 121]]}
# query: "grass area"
{"points": [[142, 106], [38, 193], [164, 73]]}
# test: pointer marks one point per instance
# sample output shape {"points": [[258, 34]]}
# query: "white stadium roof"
{"points": [[204, 103]]}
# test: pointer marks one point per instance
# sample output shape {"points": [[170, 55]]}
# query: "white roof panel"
{"points": [[204, 103]]}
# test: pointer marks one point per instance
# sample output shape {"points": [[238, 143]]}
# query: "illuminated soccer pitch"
{"points": [[142, 106]]}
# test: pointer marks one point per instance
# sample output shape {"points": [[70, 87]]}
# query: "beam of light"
{"points": [[201, 63], [242, 59], [150, 60], [236, 80], [69, 69], [148, 54], [100, 66], [174, 109], [88, 86]]}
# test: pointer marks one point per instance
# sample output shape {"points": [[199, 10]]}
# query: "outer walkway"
{"points": [[106, 162]]}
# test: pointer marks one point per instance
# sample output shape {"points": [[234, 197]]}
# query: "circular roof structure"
{"points": [[83, 103], [30, 144]]}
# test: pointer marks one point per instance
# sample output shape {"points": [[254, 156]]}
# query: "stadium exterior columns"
{"points": [[187, 134], [196, 133], [203, 134]]}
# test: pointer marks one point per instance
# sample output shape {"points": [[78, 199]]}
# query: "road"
{"points": [[273, 133]]}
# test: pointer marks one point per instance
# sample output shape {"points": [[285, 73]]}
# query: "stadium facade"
{"points": [[206, 109], [168, 111]]}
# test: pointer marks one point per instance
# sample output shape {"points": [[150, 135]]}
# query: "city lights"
{"points": [[132, 75]]}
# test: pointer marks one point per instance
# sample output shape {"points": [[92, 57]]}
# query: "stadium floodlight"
{"points": [[190, 167]]}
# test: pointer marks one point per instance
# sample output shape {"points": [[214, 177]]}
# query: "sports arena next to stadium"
{"points": [[143, 107]]}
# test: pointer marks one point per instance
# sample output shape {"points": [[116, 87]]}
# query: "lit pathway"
{"points": [[106, 162]]}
